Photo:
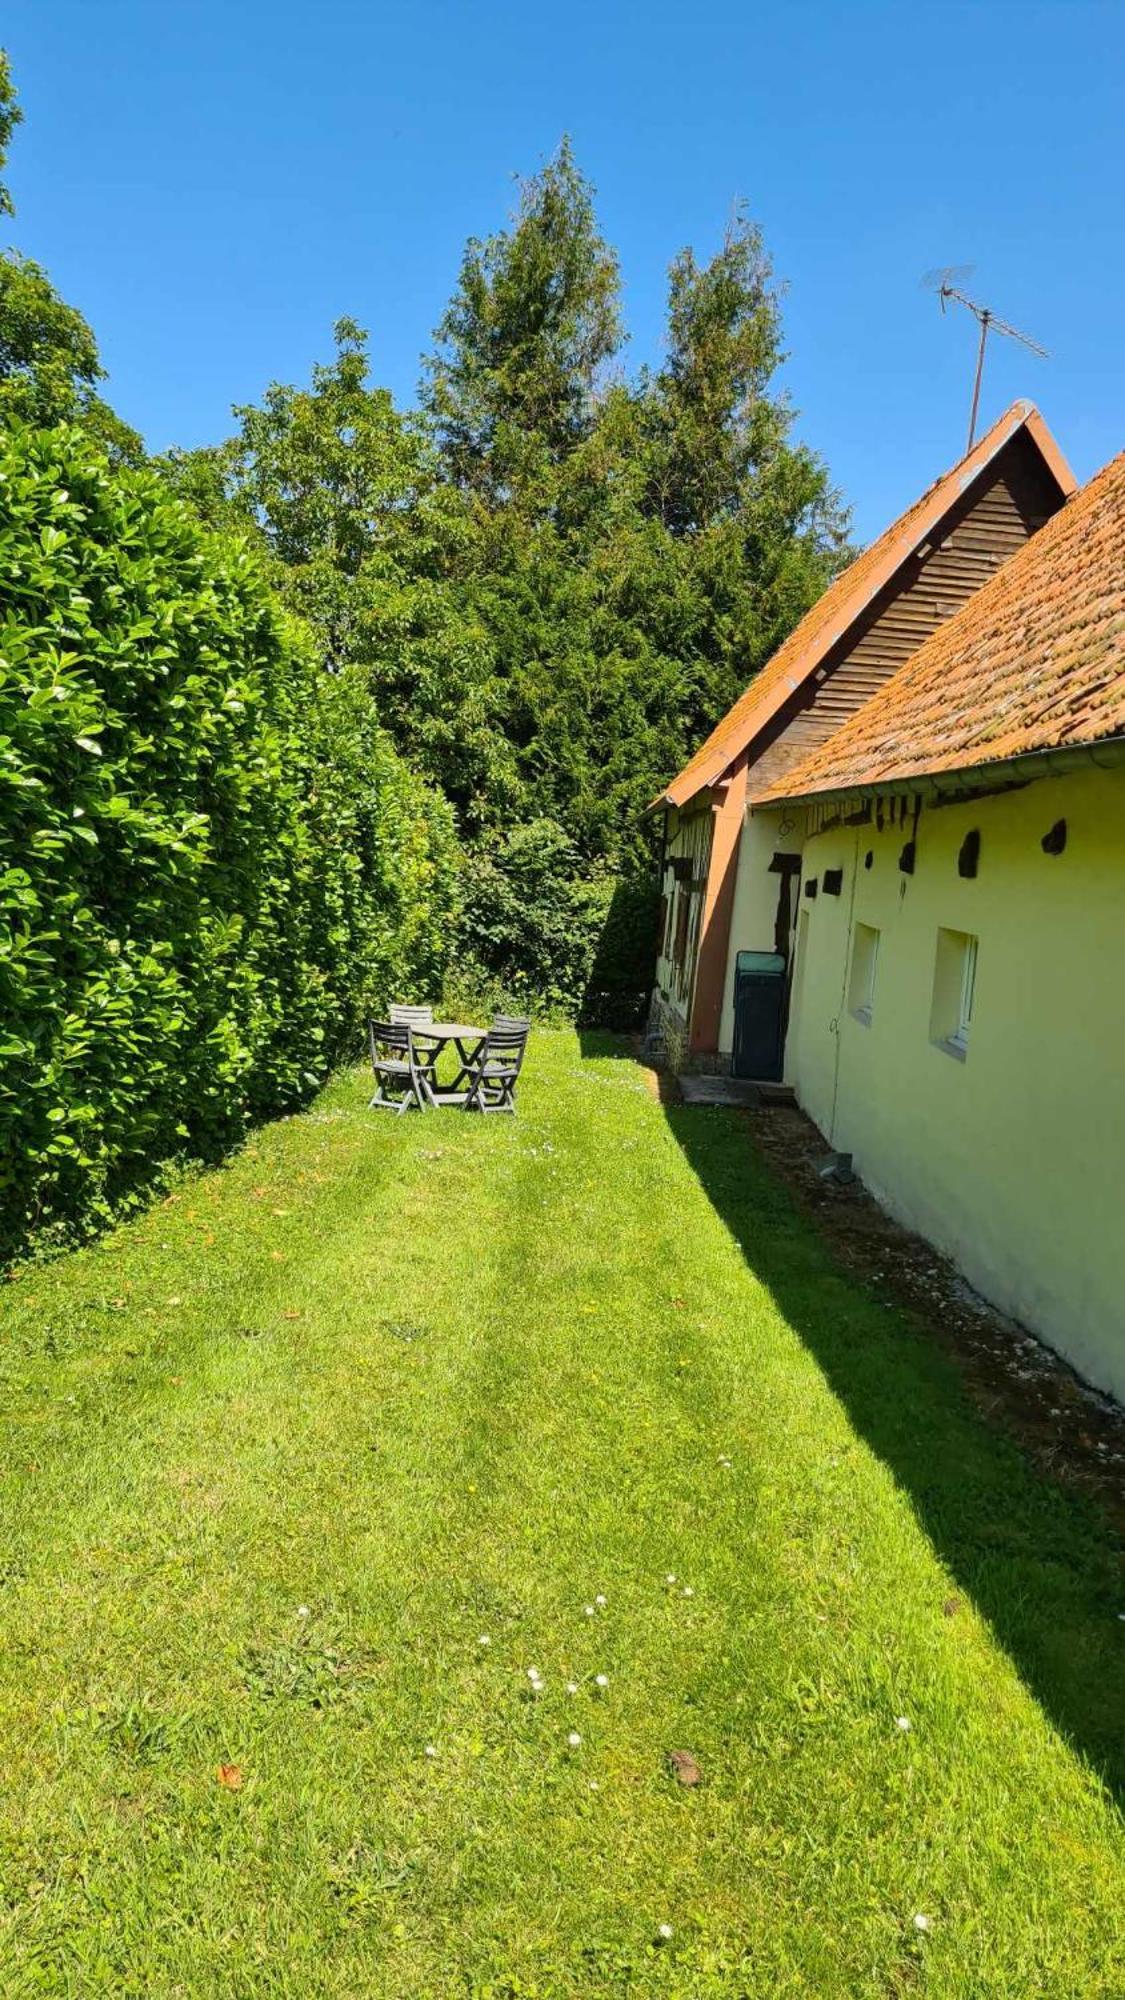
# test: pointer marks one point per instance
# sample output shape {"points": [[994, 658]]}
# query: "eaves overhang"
{"points": [[1001, 773]]}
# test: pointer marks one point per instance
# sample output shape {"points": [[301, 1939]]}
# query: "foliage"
{"points": [[48, 355], [212, 858], [372, 547], [511, 387], [248, 1524], [531, 921], [620, 978], [557, 582], [10, 117]]}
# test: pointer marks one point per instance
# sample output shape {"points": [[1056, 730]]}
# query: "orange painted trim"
{"points": [[729, 808]]}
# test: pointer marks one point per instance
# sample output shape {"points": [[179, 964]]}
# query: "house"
{"points": [[729, 902], [957, 1019], [954, 1006]]}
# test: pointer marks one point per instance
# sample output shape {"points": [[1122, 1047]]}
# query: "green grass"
{"points": [[279, 1454]]}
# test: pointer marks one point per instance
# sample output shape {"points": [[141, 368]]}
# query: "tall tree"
{"points": [[757, 526], [520, 351], [374, 549], [10, 117], [719, 422], [558, 580], [48, 356], [642, 547]]}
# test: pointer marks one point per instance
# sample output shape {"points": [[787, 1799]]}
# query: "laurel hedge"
{"points": [[211, 860]]}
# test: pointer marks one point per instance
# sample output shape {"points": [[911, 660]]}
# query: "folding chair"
{"points": [[418, 1017], [397, 1068], [495, 1070]]}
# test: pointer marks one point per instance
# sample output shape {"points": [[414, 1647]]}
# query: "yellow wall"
{"points": [[755, 896], [1013, 1159]]}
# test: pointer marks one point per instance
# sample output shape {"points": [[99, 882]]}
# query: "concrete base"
{"points": [[734, 1090]]}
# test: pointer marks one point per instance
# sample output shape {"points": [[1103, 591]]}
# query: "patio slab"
{"points": [[735, 1090]]}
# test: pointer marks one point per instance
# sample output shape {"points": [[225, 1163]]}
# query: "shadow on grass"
{"points": [[1041, 1563]]}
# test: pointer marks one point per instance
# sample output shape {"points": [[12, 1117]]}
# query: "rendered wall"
{"points": [[1012, 1160]]}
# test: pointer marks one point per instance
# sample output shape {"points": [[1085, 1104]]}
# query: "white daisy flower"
{"points": [[664, 1932], [303, 1611], [574, 1739], [903, 1722], [688, 1591], [589, 1610], [600, 1598], [670, 1578], [922, 1923], [484, 1640], [430, 1750], [601, 1680], [572, 1687]]}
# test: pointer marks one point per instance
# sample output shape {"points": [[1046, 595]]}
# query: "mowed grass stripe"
{"points": [[384, 1389]]}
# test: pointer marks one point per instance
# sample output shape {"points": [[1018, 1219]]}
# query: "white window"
{"points": [[955, 979], [861, 984]]}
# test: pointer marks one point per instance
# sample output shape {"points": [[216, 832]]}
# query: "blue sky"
{"points": [[215, 184]]}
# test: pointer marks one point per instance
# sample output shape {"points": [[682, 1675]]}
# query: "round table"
{"points": [[467, 1041]]}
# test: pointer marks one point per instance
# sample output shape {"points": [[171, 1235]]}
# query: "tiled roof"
{"points": [[846, 598], [1034, 661]]}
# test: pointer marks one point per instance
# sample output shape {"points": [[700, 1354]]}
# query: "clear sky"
{"points": [[215, 181]]}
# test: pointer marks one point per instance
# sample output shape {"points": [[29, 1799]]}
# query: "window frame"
{"points": [[959, 1039], [862, 1010], [956, 964]]}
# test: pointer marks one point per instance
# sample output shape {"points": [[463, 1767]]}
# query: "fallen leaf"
{"points": [[230, 1775], [684, 1768], [291, 1314]]}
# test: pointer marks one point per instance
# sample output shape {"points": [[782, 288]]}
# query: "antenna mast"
{"points": [[947, 284]]}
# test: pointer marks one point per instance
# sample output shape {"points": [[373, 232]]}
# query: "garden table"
{"points": [[467, 1042]]}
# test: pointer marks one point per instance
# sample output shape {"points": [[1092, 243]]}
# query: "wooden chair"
{"points": [[400, 1076], [495, 1070]]}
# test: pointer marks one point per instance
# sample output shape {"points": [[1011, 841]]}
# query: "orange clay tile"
{"points": [[847, 598], [1034, 661]]}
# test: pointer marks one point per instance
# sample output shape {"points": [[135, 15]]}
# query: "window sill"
{"points": [[957, 1050]]}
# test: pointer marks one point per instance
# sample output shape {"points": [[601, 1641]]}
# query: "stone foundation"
{"points": [[666, 1042]]}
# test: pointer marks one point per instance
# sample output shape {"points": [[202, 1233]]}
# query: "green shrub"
{"points": [[620, 982], [539, 935], [210, 859]]}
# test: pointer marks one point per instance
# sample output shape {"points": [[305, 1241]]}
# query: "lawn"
{"points": [[307, 1469]]}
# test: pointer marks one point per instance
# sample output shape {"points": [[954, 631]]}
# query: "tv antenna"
{"points": [[947, 283]]}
